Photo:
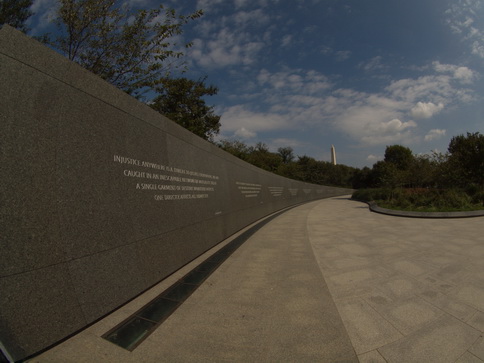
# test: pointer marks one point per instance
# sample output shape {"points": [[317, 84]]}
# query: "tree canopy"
{"points": [[136, 51], [286, 153], [133, 50], [181, 100], [15, 13], [466, 156], [462, 167], [400, 156]]}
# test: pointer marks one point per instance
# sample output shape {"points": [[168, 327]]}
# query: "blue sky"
{"points": [[359, 74]]}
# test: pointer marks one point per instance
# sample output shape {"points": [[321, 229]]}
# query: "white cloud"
{"points": [[426, 110], [434, 134], [394, 126], [437, 89], [240, 121], [478, 49], [374, 126], [463, 74], [295, 99], [244, 133], [45, 12], [372, 157]]}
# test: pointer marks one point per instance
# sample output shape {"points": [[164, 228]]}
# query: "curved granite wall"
{"points": [[102, 197]]}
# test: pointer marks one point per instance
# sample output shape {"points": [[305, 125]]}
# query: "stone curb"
{"points": [[409, 214]]}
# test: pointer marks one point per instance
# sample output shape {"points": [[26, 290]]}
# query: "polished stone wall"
{"points": [[102, 197]]}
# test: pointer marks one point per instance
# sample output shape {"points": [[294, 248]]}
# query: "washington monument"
{"points": [[333, 155]]}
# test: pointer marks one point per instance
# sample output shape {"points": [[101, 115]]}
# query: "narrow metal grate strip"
{"points": [[132, 331]]}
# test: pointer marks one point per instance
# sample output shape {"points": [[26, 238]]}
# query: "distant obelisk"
{"points": [[333, 155]]}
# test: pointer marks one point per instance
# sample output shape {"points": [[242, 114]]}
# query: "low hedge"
{"points": [[423, 199]]}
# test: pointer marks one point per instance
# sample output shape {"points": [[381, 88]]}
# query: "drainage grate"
{"points": [[131, 332]]}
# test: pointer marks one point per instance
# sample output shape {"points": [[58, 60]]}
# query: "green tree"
{"points": [[394, 170], [264, 159], [385, 174], [133, 50], [286, 153], [443, 173], [340, 175], [15, 13], [362, 178], [466, 159], [310, 170], [400, 156], [237, 148], [181, 100], [290, 170], [422, 172]]}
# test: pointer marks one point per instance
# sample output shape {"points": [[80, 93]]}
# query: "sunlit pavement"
{"points": [[408, 290], [327, 281]]}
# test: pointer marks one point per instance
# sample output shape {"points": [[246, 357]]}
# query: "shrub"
{"points": [[369, 195], [453, 199], [422, 199], [478, 198]]}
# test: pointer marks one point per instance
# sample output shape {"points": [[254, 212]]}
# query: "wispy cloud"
{"points": [[372, 65], [232, 39], [287, 40], [465, 18], [294, 81], [226, 48], [342, 55], [209, 5], [244, 19], [338, 55]]}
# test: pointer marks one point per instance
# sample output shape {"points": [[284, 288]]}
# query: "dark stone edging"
{"points": [[410, 214]]}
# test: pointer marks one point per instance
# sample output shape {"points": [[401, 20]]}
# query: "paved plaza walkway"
{"points": [[327, 281]]}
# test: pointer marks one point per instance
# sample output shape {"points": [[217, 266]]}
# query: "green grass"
{"points": [[423, 200]]}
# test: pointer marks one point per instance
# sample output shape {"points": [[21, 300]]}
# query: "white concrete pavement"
{"points": [[408, 290], [328, 281]]}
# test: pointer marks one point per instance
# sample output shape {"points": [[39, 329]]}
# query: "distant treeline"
{"points": [[285, 163], [461, 167]]}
